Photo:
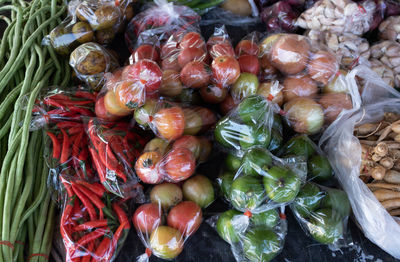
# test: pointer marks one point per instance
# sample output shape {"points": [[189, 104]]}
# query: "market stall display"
{"points": [[152, 114]]}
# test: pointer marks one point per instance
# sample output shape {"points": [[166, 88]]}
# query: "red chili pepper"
{"points": [[129, 151], [86, 202], [110, 163], [55, 111], [67, 186], [83, 155], [65, 147], [101, 169], [81, 111], [77, 142], [89, 254], [95, 199], [102, 250], [56, 145], [98, 232], [68, 209], [58, 97], [91, 225], [75, 130], [115, 240], [68, 124], [96, 188], [85, 94], [122, 217], [50, 102]]}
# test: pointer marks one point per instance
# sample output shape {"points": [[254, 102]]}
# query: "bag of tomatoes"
{"points": [[89, 21], [172, 161], [161, 20], [170, 120], [323, 213], [90, 62], [173, 214], [252, 236], [313, 89], [94, 224], [114, 147], [262, 181], [127, 89]]}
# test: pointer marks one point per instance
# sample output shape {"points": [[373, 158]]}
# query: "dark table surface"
{"points": [[206, 246]]}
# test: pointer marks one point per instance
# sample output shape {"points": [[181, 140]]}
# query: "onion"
{"points": [[306, 115], [333, 104]]}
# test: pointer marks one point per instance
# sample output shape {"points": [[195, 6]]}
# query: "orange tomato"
{"points": [[179, 164], [113, 107], [147, 217], [130, 94], [146, 168], [186, 217], [170, 122]]}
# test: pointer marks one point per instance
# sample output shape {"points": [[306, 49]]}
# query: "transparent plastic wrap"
{"points": [[280, 17], [247, 53], [314, 90], [90, 62], [160, 21], [340, 16], [89, 21], [249, 124], [352, 49], [318, 167], [224, 16], [166, 222], [57, 105], [172, 162], [389, 29], [128, 88], [114, 148], [94, 224], [323, 214], [263, 181], [170, 121], [253, 237], [345, 153]]}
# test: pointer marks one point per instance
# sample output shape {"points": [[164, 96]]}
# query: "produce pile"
{"points": [[109, 114]]}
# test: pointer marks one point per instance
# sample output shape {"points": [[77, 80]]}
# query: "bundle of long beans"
{"points": [[26, 67]]}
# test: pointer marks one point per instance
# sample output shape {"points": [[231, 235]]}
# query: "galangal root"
{"points": [[380, 160]]}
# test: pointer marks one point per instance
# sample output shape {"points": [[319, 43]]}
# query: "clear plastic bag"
{"points": [[253, 237], [344, 152], [165, 238], [263, 181], [323, 214], [114, 148], [89, 21], [170, 121], [172, 162], [280, 17], [94, 224], [340, 16], [90, 62], [57, 105], [160, 21], [318, 166]]}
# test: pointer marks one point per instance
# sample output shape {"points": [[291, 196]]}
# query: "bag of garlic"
{"points": [[340, 16], [356, 157]]}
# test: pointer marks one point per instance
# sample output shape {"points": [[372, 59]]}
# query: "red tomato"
{"points": [[179, 164], [213, 94], [146, 168], [222, 49], [145, 52], [170, 122], [227, 105], [186, 217], [170, 63], [130, 95], [189, 142], [249, 64], [147, 217], [226, 70], [169, 49], [195, 74], [192, 39], [145, 71], [208, 118], [217, 40], [171, 84], [246, 47], [101, 111], [191, 54], [112, 105]]}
